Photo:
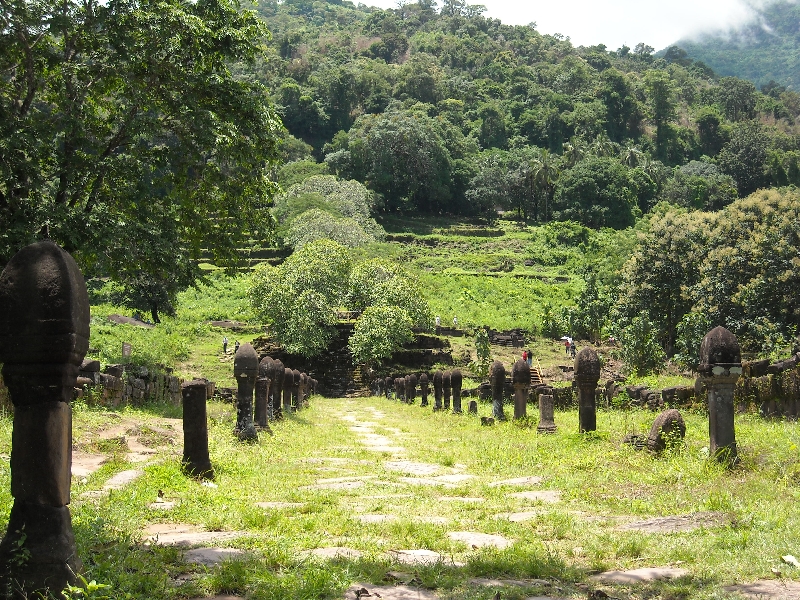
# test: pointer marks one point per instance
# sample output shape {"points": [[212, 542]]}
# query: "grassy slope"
{"points": [[602, 482]]}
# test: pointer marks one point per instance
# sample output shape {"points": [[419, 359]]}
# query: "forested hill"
{"points": [[443, 109], [765, 49]]}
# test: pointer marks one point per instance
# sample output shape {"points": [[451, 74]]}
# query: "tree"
{"points": [[544, 175], [379, 333], [114, 112], [701, 186], [744, 156], [639, 346], [661, 97], [596, 192], [300, 297]]}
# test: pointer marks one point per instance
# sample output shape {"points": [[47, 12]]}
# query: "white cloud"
{"points": [[617, 22]]}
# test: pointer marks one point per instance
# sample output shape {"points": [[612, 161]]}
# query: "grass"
{"points": [[603, 483]]}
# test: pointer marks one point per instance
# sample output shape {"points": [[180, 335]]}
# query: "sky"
{"points": [[615, 22]]}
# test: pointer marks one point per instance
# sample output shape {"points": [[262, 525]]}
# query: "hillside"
{"points": [[761, 51]]}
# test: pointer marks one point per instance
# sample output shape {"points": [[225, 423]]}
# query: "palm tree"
{"points": [[574, 151], [545, 172], [631, 156]]}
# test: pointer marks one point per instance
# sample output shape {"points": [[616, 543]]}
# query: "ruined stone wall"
{"points": [[121, 385]]}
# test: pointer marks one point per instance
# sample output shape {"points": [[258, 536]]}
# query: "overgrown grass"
{"points": [[603, 484]]}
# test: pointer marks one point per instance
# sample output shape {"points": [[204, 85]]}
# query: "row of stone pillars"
{"points": [[44, 336], [446, 387]]}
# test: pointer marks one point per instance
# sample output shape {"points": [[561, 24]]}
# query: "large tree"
{"points": [[124, 131]]}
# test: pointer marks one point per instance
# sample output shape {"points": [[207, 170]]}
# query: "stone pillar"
{"points": [[276, 389], [587, 374], [196, 461], [497, 377], [262, 392], [423, 388], [668, 427], [521, 380], [288, 383], [547, 422], [446, 388], [44, 335], [720, 368], [437, 390], [455, 385], [296, 389], [473, 407], [302, 390], [411, 388], [245, 370], [388, 388]]}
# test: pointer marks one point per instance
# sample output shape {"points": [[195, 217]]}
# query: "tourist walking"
{"points": [[224, 344], [235, 346]]}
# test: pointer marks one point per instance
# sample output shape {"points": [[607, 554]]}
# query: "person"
{"points": [[525, 355], [224, 344], [573, 350], [235, 346], [455, 322], [438, 321], [530, 358], [567, 343]]}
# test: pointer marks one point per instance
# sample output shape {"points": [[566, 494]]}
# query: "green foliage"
{"points": [[700, 186], [691, 330], [316, 224], [300, 297], [592, 310], [379, 332], [483, 353], [639, 346], [124, 130], [378, 282], [598, 193]]}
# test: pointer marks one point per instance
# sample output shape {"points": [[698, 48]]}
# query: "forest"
{"points": [[147, 140]]}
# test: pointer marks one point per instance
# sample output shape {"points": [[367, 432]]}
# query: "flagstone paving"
{"points": [[209, 557], [474, 539], [768, 589], [677, 523], [548, 496], [182, 534], [639, 575], [386, 592]]}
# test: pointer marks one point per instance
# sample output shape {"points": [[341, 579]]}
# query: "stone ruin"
{"points": [[720, 368], [387, 387], [423, 387], [521, 380], [276, 389], [437, 390], [196, 460], [547, 422], [455, 386], [296, 394], [497, 379], [446, 389], [288, 384], [668, 428], [44, 336], [587, 374], [245, 370], [411, 388]]}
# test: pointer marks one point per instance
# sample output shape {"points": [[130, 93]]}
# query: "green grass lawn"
{"points": [[602, 483]]}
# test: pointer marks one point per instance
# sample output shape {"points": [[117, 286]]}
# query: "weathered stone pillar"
{"points": [[423, 388], [296, 389], [521, 380], [720, 368], [587, 374], [302, 390], [446, 388], [437, 390], [547, 422], [196, 461], [262, 392], [473, 407], [399, 389], [497, 377], [276, 389], [44, 335], [245, 370], [411, 388], [388, 388], [455, 385], [288, 383]]}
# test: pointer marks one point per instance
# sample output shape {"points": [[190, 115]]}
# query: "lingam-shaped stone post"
{"points": [[497, 378], [455, 385], [196, 461], [276, 389], [720, 368], [423, 389], [521, 380], [262, 392], [411, 388], [288, 383], [446, 389], [437, 390], [388, 388], [547, 422], [44, 335], [245, 370], [587, 374], [296, 389], [302, 390]]}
